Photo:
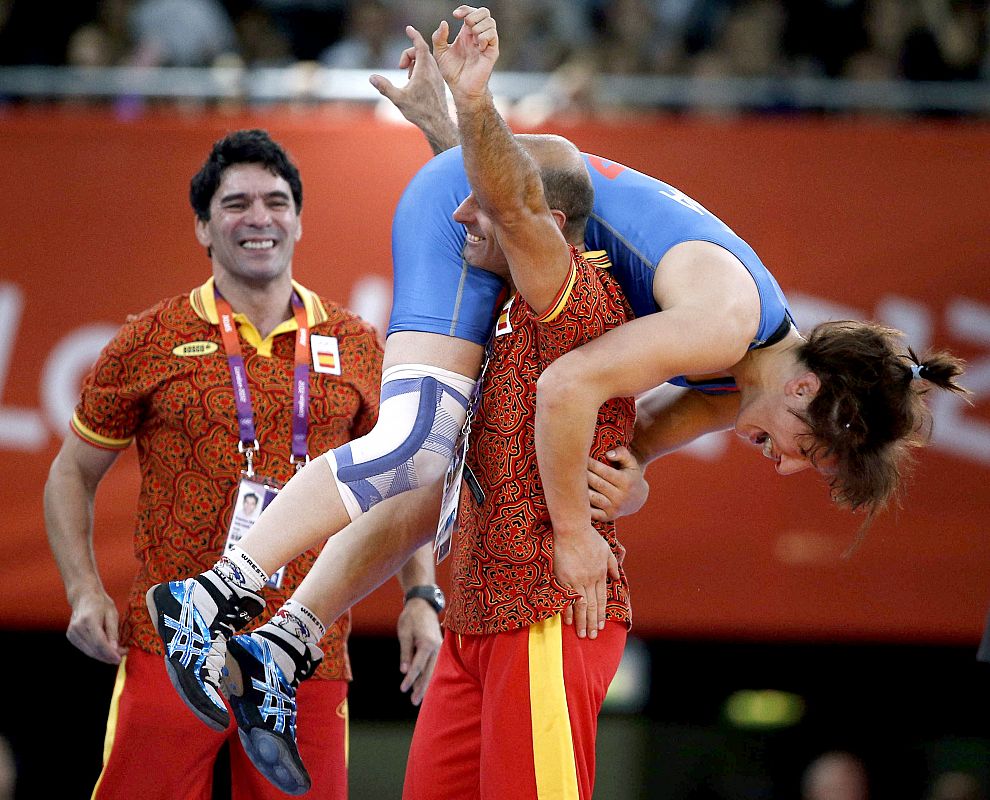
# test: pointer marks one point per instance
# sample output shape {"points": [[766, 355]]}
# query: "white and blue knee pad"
{"points": [[422, 410]]}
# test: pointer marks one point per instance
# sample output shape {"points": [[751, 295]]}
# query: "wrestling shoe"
{"points": [[264, 705], [194, 619]]}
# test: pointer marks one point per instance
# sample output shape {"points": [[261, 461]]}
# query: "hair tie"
{"points": [[916, 370]]}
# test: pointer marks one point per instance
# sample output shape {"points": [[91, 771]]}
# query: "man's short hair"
{"points": [[567, 185], [241, 147]]}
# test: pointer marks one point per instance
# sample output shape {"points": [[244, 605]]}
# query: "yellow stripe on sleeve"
{"points": [[553, 746], [597, 258], [563, 296], [96, 439]]}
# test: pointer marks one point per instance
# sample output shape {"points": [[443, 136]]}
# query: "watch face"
{"points": [[431, 594]]}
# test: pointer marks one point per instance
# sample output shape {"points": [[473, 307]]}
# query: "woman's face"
{"points": [[768, 420]]}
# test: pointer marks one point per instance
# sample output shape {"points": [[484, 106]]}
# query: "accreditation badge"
{"points": [[253, 496], [457, 472], [451, 502]]}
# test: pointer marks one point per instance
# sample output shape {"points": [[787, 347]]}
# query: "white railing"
{"points": [[308, 83]]}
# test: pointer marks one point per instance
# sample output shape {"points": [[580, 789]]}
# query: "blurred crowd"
{"points": [[843, 775], [936, 40]]}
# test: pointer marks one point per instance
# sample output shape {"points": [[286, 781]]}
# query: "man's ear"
{"points": [[805, 386], [299, 230], [203, 232], [559, 217]]}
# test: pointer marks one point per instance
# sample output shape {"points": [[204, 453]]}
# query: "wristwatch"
{"points": [[431, 593]]}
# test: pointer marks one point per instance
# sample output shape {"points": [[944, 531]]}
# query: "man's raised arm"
{"points": [[505, 181]]}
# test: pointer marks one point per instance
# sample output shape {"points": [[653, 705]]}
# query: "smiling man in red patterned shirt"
{"points": [[307, 374]]}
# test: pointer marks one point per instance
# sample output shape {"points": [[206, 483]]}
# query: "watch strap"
{"points": [[431, 593]]}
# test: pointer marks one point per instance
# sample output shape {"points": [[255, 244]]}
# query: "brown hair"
{"points": [[570, 191], [869, 411]]}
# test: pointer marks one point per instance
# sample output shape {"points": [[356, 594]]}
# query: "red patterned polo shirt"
{"points": [[164, 383], [502, 574]]}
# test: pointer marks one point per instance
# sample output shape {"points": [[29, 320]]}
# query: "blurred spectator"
{"points": [[836, 775], [571, 89], [423, 15], [656, 36], [309, 25], [956, 786], [261, 42], [104, 41], [750, 44], [180, 33], [541, 34], [8, 771], [89, 46], [922, 40], [886, 24], [373, 39], [37, 31], [821, 35], [630, 40], [947, 41]]}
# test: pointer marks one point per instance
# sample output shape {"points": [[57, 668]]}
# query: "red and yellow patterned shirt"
{"points": [[502, 574], [163, 381]]}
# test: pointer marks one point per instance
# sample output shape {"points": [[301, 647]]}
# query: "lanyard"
{"points": [[475, 399], [248, 441]]}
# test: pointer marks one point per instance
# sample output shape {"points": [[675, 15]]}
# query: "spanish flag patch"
{"points": [[503, 326], [326, 356]]}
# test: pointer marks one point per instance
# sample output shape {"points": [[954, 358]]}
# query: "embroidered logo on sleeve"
{"points": [[326, 355], [195, 349]]}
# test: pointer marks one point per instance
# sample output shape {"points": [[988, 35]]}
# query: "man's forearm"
{"points": [[566, 415], [419, 569], [500, 172], [69, 524], [440, 132], [428, 112]]}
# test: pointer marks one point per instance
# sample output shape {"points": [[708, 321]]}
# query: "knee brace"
{"points": [[422, 410]]}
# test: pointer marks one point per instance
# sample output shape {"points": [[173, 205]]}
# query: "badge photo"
{"points": [[253, 497]]}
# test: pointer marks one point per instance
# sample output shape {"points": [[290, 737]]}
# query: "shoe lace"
{"points": [[237, 614], [216, 660]]}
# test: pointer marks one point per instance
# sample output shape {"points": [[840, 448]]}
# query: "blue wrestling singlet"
{"points": [[636, 219], [434, 289]]}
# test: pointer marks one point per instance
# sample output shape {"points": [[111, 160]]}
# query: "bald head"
{"points": [[551, 151], [835, 776], [566, 182]]}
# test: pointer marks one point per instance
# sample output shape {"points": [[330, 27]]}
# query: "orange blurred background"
{"points": [[855, 217]]}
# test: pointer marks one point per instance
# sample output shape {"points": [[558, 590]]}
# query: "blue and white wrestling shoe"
{"points": [[264, 705], [194, 619]]}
